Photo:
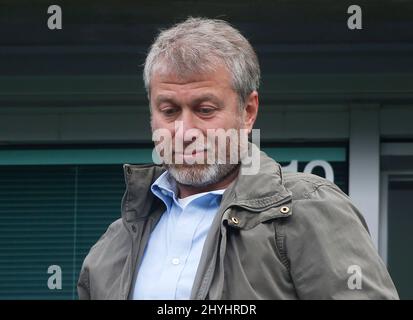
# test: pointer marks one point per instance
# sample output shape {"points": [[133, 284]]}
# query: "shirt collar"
{"points": [[165, 189]]}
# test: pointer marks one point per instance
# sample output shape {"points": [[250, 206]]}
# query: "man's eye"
{"points": [[169, 111], [205, 110]]}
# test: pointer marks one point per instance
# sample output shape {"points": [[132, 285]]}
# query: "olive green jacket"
{"points": [[276, 235]]}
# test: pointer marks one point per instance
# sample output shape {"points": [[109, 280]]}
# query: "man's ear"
{"points": [[251, 110]]}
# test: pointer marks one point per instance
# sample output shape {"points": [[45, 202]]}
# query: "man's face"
{"points": [[199, 103]]}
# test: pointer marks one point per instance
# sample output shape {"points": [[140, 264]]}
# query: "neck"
{"points": [[186, 191]]}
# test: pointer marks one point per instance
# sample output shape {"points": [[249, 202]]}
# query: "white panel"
{"points": [[364, 157]]}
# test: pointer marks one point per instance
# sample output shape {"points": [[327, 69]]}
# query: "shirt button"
{"points": [[175, 261]]}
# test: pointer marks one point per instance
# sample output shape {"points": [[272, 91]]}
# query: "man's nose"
{"points": [[187, 127], [188, 120]]}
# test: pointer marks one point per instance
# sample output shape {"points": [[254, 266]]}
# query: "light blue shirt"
{"points": [[174, 249]]}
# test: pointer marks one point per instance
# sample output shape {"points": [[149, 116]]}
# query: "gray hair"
{"points": [[198, 45]]}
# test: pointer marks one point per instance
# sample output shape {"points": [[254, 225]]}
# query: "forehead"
{"points": [[166, 80]]}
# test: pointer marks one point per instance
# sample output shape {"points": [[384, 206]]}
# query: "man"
{"points": [[196, 230]]}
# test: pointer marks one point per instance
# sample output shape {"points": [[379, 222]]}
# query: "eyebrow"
{"points": [[162, 98], [202, 98], [206, 97]]}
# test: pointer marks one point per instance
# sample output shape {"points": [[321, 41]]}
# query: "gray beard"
{"points": [[200, 175]]}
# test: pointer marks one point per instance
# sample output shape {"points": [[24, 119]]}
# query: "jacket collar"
{"points": [[138, 198], [255, 193], [262, 190]]}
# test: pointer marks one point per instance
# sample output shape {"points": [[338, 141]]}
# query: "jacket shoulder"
{"points": [[302, 185], [314, 196]]}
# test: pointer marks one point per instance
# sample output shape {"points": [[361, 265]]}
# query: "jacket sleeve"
{"points": [[329, 250], [83, 289], [83, 283]]}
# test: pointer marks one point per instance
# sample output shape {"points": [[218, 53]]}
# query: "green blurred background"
{"points": [[73, 110]]}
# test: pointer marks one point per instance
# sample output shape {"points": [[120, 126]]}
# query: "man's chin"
{"points": [[199, 175], [187, 166]]}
